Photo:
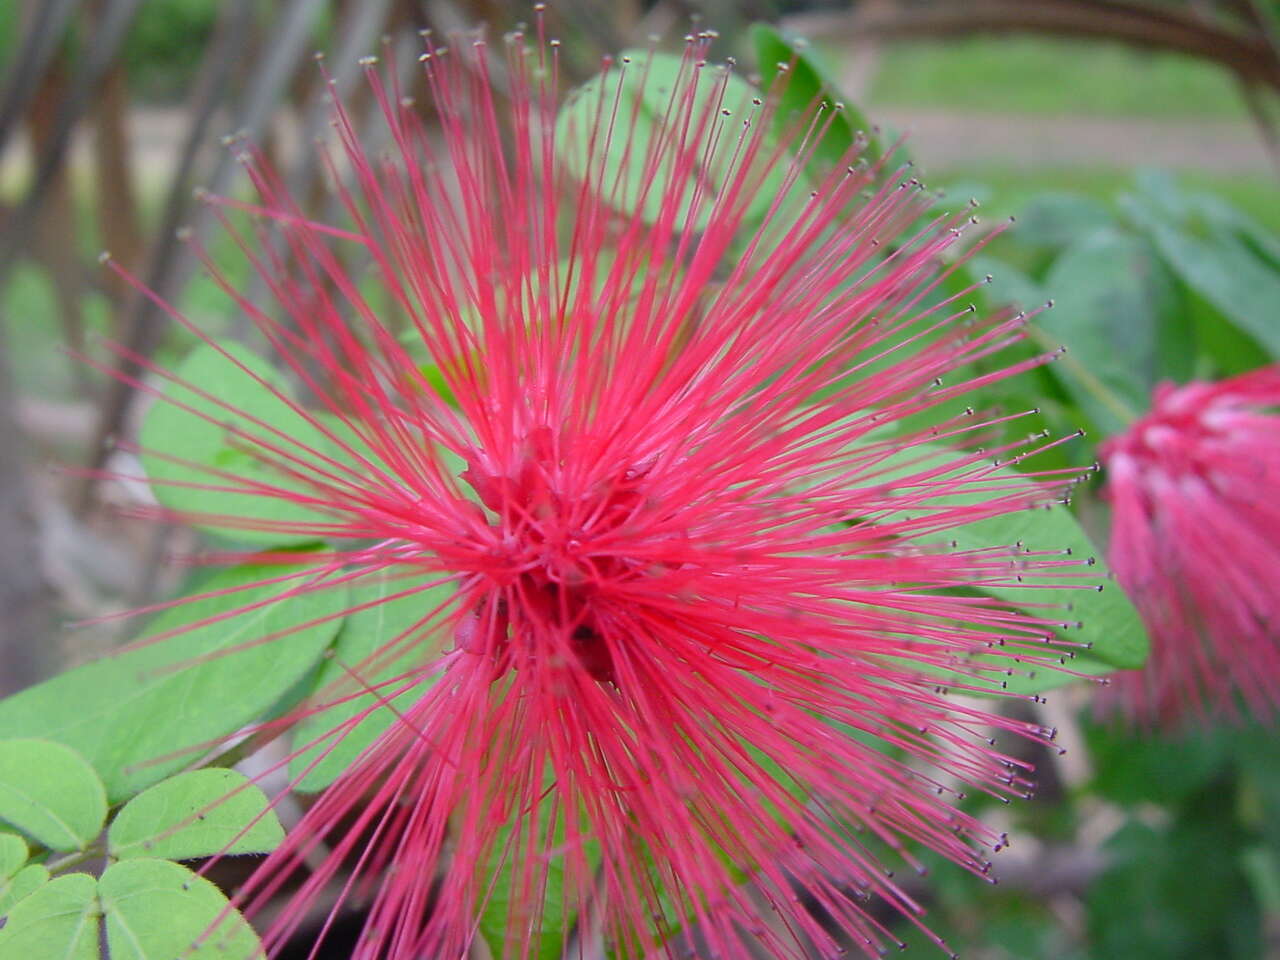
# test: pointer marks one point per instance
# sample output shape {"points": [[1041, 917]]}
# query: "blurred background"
{"points": [[1135, 142]]}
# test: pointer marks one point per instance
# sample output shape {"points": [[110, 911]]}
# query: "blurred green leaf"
{"points": [[141, 715], [158, 910], [1258, 776], [1175, 893], [1110, 294], [59, 921], [377, 644], [1136, 766], [210, 440], [1262, 869], [50, 793], [806, 86], [502, 928], [1202, 214], [199, 813], [611, 124], [1222, 348], [1220, 267], [1055, 220], [159, 47], [21, 885], [1009, 286], [13, 854]]}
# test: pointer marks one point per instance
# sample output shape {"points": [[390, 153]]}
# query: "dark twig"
{"points": [[27, 624], [1263, 120], [1246, 52], [108, 35], [37, 48], [56, 223], [144, 322], [170, 264]]}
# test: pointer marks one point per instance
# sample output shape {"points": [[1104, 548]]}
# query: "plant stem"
{"points": [[74, 859]]}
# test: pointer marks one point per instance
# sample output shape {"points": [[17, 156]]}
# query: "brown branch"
{"points": [[55, 223], [27, 624], [117, 203], [1249, 56], [170, 264], [1262, 120]]}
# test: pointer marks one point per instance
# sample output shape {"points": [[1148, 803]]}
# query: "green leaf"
{"points": [[500, 929], [1222, 348], [13, 854], [501, 926], [1008, 286], [50, 793], [616, 163], [141, 715], [158, 910], [362, 648], [1110, 294], [21, 885], [1058, 219], [1107, 621], [1175, 892], [1222, 268], [1264, 244], [807, 83], [359, 455], [199, 813], [1259, 864], [59, 921], [230, 441], [1135, 767]]}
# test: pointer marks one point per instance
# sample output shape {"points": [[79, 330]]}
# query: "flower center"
{"points": [[560, 552]]}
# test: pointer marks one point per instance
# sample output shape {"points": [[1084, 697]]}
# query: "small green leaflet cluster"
{"points": [[150, 907], [143, 714], [112, 730]]}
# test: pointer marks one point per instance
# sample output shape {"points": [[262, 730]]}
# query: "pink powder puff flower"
{"points": [[702, 619], [1196, 542]]}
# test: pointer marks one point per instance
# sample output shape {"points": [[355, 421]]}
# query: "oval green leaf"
{"points": [[50, 793], [609, 146], [159, 910], [509, 917], [808, 85], [1111, 295], [1095, 610], [199, 813], [13, 854], [1054, 220], [138, 716], [21, 885], [59, 921], [1101, 614], [365, 635], [212, 445], [1220, 266]]}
